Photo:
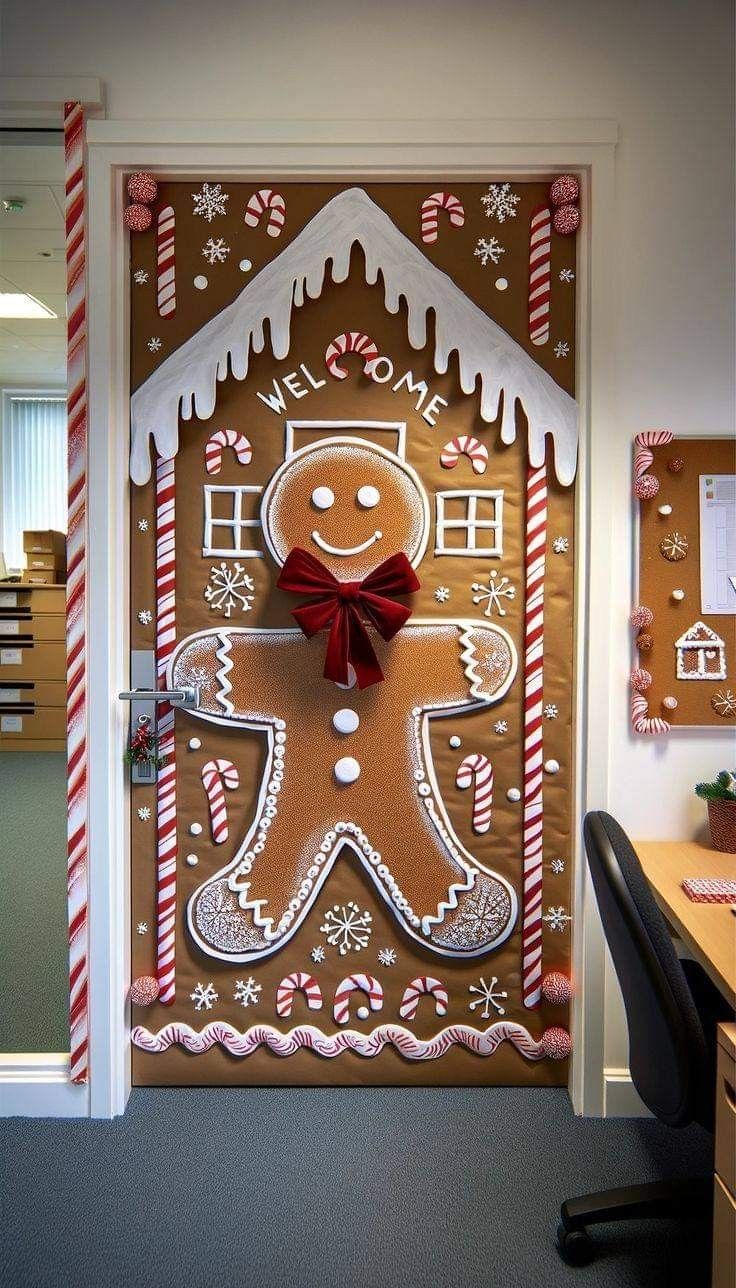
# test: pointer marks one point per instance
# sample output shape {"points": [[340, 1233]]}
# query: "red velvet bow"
{"points": [[339, 605]]}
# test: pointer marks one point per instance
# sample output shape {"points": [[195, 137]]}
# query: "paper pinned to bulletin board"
{"points": [[686, 496]]}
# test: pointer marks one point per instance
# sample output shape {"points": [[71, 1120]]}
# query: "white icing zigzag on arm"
{"points": [[226, 665], [468, 658]]}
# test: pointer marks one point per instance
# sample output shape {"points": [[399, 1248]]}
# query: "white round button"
{"points": [[455, 741], [323, 498], [552, 766], [195, 829], [194, 744], [362, 1012], [347, 770], [513, 794], [368, 497], [346, 720], [192, 860]]}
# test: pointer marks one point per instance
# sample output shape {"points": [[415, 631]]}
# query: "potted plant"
{"points": [[721, 798]]}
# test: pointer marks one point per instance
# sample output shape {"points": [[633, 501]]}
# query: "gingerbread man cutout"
{"points": [[347, 767]]}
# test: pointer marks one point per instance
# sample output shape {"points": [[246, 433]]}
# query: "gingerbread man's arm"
{"points": [[242, 673], [463, 663]]}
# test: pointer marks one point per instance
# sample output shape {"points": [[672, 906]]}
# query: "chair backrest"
{"points": [[667, 1047]]}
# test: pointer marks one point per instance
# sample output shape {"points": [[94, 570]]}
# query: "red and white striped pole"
{"points": [[166, 262], [540, 234], [76, 740], [166, 840], [533, 827]]}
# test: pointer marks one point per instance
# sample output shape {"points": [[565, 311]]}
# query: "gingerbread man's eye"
{"points": [[367, 497], [323, 498]]}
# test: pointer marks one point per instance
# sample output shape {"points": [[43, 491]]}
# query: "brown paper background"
{"points": [[658, 577], [355, 306]]}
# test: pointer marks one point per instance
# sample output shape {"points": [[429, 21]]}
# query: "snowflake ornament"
{"points": [[557, 919], [550, 711], [144, 813], [210, 201], [205, 996], [560, 545], [247, 991], [216, 250], [723, 702], [145, 617], [495, 592], [558, 866], [489, 997], [562, 349], [154, 344], [387, 956], [228, 588], [143, 525], [140, 277], [500, 202], [317, 954], [567, 275], [442, 594], [142, 928], [488, 250], [347, 928], [501, 726]]}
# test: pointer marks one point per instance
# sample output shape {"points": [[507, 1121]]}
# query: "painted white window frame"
{"points": [[471, 523], [340, 149], [237, 524]]}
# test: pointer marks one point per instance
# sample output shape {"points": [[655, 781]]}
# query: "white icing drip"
{"points": [[186, 383]]}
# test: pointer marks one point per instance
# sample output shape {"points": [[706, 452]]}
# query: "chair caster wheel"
{"points": [[574, 1246]]}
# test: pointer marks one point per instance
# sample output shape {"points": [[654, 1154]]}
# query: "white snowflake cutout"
{"points": [[550, 711], [488, 250], [143, 525], [387, 956], [501, 726], [145, 617], [154, 344], [442, 594], [144, 813], [500, 202], [142, 928], [210, 201], [205, 996], [317, 954], [561, 349], [560, 545], [216, 250], [140, 277], [558, 866], [566, 275], [557, 919], [347, 928], [228, 588], [488, 997], [247, 992], [495, 592]]}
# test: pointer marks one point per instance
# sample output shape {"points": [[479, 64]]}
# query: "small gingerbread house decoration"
{"points": [[701, 654]]}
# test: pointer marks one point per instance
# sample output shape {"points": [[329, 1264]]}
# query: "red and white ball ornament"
{"points": [[646, 487], [556, 1043], [565, 190], [142, 187], [556, 988], [137, 218], [566, 220], [641, 617], [641, 680], [144, 990]]}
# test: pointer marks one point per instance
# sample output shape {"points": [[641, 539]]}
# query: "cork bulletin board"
{"points": [[338, 877], [687, 558]]}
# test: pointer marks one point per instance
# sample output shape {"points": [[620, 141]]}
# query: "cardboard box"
{"points": [[40, 577], [45, 542], [43, 722], [47, 563], [32, 661]]}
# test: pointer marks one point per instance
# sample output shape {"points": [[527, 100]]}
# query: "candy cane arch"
{"points": [[349, 342], [273, 202], [216, 776], [464, 445], [298, 982], [166, 262], [76, 593], [533, 825], [540, 234], [476, 770], [642, 722], [226, 438], [431, 207], [367, 984], [166, 845], [419, 987]]}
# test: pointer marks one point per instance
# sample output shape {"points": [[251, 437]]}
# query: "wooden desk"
{"points": [[708, 929]]}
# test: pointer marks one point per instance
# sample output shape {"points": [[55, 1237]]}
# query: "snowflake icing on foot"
{"points": [[495, 592], [560, 545], [216, 250], [154, 344], [204, 996], [140, 277], [317, 954], [557, 919], [228, 588], [347, 928], [387, 956], [488, 250], [500, 202], [247, 991], [210, 201], [488, 997], [562, 349], [442, 594]]}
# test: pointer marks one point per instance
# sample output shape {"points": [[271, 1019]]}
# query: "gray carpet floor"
{"points": [[334, 1189]]}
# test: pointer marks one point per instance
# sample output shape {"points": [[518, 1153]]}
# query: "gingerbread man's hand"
{"points": [[242, 673], [463, 663]]}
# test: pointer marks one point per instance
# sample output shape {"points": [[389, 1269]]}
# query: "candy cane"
{"points": [[216, 775], [464, 445], [298, 982], [432, 205], [349, 342], [540, 233], [166, 262], [226, 438], [76, 658], [417, 988], [646, 485], [273, 202], [166, 845], [477, 768], [533, 826], [367, 984], [641, 721]]}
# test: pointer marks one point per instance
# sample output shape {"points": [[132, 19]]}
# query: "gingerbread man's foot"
{"points": [[219, 925], [483, 918]]}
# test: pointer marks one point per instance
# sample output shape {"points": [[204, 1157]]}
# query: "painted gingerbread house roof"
{"points": [[186, 383], [699, 636]]}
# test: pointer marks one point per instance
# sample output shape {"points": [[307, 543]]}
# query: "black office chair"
{"points": [[672, 1011]]}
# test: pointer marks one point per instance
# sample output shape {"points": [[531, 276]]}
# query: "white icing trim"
{"points": [[186, 382], [237, 524], [471, 523], [345, 550]]}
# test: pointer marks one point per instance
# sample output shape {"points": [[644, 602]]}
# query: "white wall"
{"points": [[662, 69]]}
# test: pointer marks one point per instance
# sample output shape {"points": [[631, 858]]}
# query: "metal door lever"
{"points": [[176, 697]]}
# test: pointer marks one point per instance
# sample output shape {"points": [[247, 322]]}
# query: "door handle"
{"points": [[187, 697]]}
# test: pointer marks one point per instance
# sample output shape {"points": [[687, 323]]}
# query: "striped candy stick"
{"points": [[273, 202], [76, 590], [533, 825], [419, 987], [216, 776], [349, 342], [166, 840], [226, 438], [298, 982], [641, 721], [367, 984], [431, 207], [166, 262], [477, 769], [540, 234], [465, 445], [647, 439]]}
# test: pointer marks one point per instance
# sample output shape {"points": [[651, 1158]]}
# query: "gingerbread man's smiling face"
{"points": [[348, 502]]}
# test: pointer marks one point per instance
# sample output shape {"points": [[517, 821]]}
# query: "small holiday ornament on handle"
{"points": [[144, 749]]}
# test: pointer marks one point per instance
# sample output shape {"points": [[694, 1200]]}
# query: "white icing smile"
{"points": [[347, 550]]}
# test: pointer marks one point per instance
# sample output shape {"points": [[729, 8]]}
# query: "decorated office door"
{"points": [[353, 449]]}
